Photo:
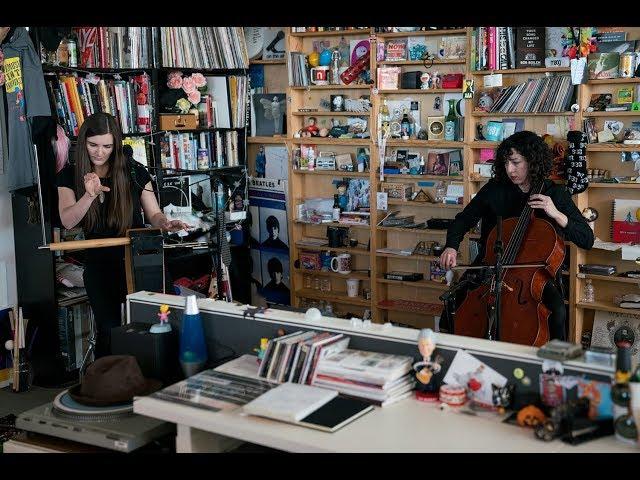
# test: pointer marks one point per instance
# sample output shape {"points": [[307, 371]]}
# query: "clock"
{"points": [[435, 126]]}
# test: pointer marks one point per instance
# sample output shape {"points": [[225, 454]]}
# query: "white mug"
{"points": [[353, 285], [320, 75], [341, 263]]}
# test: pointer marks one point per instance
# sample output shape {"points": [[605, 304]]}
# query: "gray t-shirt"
{"points": [[26, 99]]}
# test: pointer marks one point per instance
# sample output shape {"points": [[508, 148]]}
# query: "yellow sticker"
{"points": [[12, 74], [518, 373]]}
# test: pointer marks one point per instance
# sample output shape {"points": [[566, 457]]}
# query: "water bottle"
{"points": [[589, 292], [193, 350]]}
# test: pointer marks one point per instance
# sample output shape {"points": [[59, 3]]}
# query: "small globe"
{"points": [[314, 59], [325, 57], [590, 214]]}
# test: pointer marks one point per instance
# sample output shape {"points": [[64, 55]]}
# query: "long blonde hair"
{"points": [[120, 208]]}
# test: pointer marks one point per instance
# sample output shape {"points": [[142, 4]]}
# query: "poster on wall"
{"points": [[269, 242]]}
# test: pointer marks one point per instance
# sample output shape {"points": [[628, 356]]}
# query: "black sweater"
{"points": [[507, 200]]}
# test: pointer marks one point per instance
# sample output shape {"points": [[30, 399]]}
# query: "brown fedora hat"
{"points": [[111, 380]]}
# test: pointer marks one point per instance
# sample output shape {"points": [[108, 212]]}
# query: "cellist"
{"points": [[522, 160]]}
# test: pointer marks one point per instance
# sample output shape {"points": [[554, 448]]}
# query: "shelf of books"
{"points": [[427, 149]]}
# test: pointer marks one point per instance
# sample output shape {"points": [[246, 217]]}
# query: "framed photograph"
{"points": [[438, 163], [455, 163], [401, 155], [337, 103], [344, 162]]}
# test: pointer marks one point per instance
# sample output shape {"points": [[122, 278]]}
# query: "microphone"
{"points": [[272, 46]]}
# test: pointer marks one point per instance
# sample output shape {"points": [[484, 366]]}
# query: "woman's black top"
{"points": [[139, 177], [507, 200]]}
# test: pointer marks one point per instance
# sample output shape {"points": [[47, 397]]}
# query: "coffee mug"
{"points": [[320, 75], [353, 285], [341, 263], [325, 260]]}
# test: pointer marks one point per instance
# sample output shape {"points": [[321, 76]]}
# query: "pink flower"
{"points": [[199, 79], [174, 73], [188, 85], [194, 97], [174, 82]]}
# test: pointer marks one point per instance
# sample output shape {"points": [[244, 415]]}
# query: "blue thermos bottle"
{"points": [[193, 349]]}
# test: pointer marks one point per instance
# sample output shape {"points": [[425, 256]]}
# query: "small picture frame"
{"points": [[344, 162], [337, 103]]}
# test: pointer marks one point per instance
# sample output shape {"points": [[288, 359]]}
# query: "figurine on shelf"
{"points": [[425, 81], [335, 66], [343, 197], [427, 387], [263, 348], [164, 326], [436, 80], [261, 162], [591, 215], [311, 129]]}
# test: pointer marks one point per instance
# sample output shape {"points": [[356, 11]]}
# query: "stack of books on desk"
{"points": [[293, 357], [380, 378]]}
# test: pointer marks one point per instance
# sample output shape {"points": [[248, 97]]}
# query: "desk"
{"points": [[407, 426]]}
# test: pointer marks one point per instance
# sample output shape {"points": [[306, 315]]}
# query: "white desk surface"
{"points": [[407, 426]]}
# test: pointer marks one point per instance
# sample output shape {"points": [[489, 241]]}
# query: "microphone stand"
{"points": [[496, 285]]}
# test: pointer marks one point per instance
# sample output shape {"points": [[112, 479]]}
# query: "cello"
{"points": [[529, 240]]}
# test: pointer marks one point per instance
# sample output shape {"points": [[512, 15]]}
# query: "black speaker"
{"points": [[147, 259], [156, 353], [411, 80]]}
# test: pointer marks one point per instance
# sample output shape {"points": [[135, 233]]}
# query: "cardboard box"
{"points": [[170, 121]]}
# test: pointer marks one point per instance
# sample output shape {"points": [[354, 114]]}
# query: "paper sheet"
{"points": [[277, 159]]}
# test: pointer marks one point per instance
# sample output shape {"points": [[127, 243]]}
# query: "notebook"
{"points": [[308, 406], [625, 224]]}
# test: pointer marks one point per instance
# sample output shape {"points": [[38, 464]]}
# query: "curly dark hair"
{"points": [[532, 148]]}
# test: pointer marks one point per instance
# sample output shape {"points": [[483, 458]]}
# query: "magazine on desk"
{"points": [[214, 390]]}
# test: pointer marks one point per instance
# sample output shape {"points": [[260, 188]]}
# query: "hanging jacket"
{"points": [[27, 99]]}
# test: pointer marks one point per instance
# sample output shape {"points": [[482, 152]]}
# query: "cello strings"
{"points": [[519, 232]]}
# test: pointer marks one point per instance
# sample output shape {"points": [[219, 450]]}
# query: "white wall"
{"points": [[8, 293]]}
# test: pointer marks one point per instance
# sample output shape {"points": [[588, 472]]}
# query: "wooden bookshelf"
{"points": [[419, 91], [338, 297], [419, 284], [322, 273], [267, 140], [333, 87], [522, 114], [614, 81], [271, 61], [329, 114], [307, 184], [516, 71], [332, 173], [606, 307], [422, 33], [437, 61], [330, 141], [613, 185], [333, 33], [611, 147], [629, 113]]}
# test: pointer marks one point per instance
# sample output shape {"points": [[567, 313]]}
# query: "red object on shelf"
{"points": [[351, 73], [452, 80]]}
